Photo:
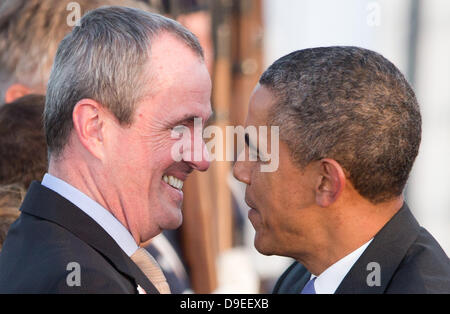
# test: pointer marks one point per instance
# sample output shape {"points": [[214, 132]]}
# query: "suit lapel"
{"points": [[387, 249], [302, 283], [49, 205]]}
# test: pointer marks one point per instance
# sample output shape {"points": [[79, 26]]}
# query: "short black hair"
{"points": [[352, 105]]}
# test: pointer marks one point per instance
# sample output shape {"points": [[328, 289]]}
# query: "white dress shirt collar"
{"points": [[328, 281], [94, 210]]}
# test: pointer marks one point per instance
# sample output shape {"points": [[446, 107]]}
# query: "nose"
{"points": [[200, 164], [241, 171]]}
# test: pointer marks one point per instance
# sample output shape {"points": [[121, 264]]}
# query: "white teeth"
{"points": [[174, 182]]}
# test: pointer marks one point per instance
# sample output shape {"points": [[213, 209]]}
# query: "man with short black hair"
{"points": [[350, 130]]}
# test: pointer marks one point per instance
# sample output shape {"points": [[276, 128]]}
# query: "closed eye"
{"points": [[254, 149], [250, 145]]}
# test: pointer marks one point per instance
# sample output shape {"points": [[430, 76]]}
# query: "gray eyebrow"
{"points": [[190, 117]]}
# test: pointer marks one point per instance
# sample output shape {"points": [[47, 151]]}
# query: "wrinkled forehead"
{"points": [[179, 87], [172, 61]]}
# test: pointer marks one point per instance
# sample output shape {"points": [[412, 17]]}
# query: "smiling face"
{"points": [[140, 167], [282, 201]]}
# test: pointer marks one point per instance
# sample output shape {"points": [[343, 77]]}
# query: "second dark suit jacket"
{"points": [[51, 233], [410, 260]]}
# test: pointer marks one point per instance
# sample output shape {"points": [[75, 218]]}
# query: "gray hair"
{"points": [[103, 59], [30, 31], [352, 105]]}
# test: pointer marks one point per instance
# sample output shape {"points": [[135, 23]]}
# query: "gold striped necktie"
{"points": [[151, 270]]}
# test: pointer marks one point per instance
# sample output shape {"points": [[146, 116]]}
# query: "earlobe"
{"points": [[331, 182], [88, 124]]}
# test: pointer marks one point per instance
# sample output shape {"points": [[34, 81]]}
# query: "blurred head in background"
{"points": [[350, 130], [23, 149], [30, 32]]}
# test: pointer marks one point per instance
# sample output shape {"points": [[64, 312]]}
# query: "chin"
{"points": [[173, 220], [262, 246], [174, 225]]}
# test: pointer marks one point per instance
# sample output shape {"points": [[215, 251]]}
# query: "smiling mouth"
{"points": [[173, 182]]}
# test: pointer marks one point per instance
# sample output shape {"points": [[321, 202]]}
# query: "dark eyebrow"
{"points": [[250, 145]]}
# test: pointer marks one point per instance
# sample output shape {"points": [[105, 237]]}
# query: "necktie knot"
{"points": [[309, 287]]}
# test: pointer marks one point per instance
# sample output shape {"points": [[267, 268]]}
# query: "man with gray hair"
{"points": [[122, 81]]}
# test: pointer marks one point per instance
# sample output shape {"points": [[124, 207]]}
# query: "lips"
{"points": [[173, 189], [250, 204]]}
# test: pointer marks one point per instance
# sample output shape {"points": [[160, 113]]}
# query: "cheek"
{"points": [[278, 199], [160, 157], [265, 189], [264, 195], [151, 150]]}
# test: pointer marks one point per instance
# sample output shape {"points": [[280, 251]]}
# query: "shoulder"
{"points": [[40, 256], [291, 280], [424, 269]]}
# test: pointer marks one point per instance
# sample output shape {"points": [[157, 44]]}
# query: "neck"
{"points": [[84, 177], [347, 229]]}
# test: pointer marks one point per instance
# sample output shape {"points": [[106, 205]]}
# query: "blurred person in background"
{"points": [[23, 154], [30, 32], [350, 130], [23, 149], [11, 196]]}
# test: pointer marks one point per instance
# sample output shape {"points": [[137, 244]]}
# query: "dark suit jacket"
{"points": [[410, 259], [50, 233]]}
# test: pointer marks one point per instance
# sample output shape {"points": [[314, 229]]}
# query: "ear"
{"points": [[331, 182], [88, 122], [16, 91]]}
